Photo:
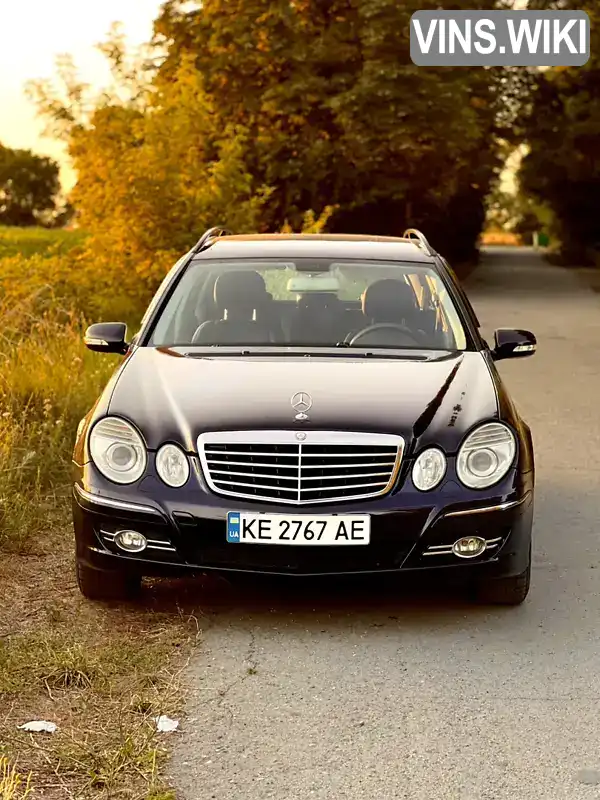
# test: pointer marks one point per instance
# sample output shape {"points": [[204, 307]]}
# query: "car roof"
{"points": [[278, 245]]}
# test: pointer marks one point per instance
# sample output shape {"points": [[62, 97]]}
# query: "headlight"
{"points": [[118, 450], [172, 465], [429, 469], [486, 455]]}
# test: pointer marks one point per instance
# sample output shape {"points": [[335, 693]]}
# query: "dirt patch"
{"points": [[101, 673]]}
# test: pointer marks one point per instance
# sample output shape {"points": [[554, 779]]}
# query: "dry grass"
{"points": [[48, 381], [100, 673], [13, 785]]}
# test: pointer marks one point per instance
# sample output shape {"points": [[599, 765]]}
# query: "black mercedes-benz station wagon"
{"points": [[306, 405]]}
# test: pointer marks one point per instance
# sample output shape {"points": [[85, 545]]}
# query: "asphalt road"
{"points": [[362, 692]]}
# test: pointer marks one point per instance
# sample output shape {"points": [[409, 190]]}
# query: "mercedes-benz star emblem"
{"points": [[301, 402]]}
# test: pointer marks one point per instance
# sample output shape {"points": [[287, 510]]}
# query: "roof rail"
{"points": [[211, 233], [413, 233]]}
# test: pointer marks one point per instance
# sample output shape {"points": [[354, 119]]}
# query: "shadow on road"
{"points": [[434, 601], [270, 594], [423, 602], [408, 597]]}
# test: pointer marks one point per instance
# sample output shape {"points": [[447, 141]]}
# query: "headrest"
{"points": [[388, 301], [240, 290]]}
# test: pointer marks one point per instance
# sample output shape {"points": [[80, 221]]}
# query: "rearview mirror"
{"points": [[510, 343], [107, 337]]}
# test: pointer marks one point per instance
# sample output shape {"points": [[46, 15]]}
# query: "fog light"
{"points": [[469, 547], [131, 541]]}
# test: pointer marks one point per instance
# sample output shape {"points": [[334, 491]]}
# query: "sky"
{"points": [[33, 33]]}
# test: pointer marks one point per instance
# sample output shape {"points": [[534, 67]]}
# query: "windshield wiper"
{"points": [[394, 355], [215, 353]]}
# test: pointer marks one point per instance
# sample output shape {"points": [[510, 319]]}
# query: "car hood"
{"points": [[172, 397]]}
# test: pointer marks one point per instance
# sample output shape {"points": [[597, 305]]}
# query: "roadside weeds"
{"points": [[101, 673], [13, 785]]}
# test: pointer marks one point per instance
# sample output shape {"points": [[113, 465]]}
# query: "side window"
{"points": [[447, 315], [186, 308], [419, 288], [461, 291], [437, 303], [159, 292], [428, 298]]}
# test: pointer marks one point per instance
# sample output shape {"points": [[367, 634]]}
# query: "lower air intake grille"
{"points": [[276, 466]]}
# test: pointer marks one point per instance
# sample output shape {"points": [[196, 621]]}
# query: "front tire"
{"points": [[510, 591], [96, 584]]}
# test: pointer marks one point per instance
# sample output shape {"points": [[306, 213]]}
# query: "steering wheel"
{"points": [[385, 326]]}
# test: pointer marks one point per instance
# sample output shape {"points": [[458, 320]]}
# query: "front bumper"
{"points": [[405, 534]]}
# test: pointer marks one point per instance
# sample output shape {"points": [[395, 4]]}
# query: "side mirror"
{"points": [[509, 343], [107, 337]]}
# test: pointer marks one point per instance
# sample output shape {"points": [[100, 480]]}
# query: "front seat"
{"points": [[239, 296], [316, 320], [270, 316], [389, 302]]}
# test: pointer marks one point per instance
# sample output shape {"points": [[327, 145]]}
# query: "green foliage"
{"points": [[26, 242], [45, 270], [48, 379], [338, 114], [104, 674], [516, 212], [562, 129], [28, 186], [172, 173], [153, 175], [264, 110]]}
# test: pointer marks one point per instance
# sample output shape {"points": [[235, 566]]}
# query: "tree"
{"points": [[338, 114], [28, 186], [562, 128], [516, 212], [263, 110], [155, 168], [152, 181]]}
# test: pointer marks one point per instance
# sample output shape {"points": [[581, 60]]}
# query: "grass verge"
{"points": [[100, 673], [27, 242]]}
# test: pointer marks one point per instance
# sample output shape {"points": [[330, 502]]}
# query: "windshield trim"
{"points": [[228, 351]]}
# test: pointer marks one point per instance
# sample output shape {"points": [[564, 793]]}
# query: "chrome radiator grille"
{"points": [[276, 466]]}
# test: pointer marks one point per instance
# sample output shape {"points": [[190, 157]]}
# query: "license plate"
{"points": [[298, 530]]}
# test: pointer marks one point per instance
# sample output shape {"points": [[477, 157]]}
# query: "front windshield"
{"points": [[310, 303]]}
